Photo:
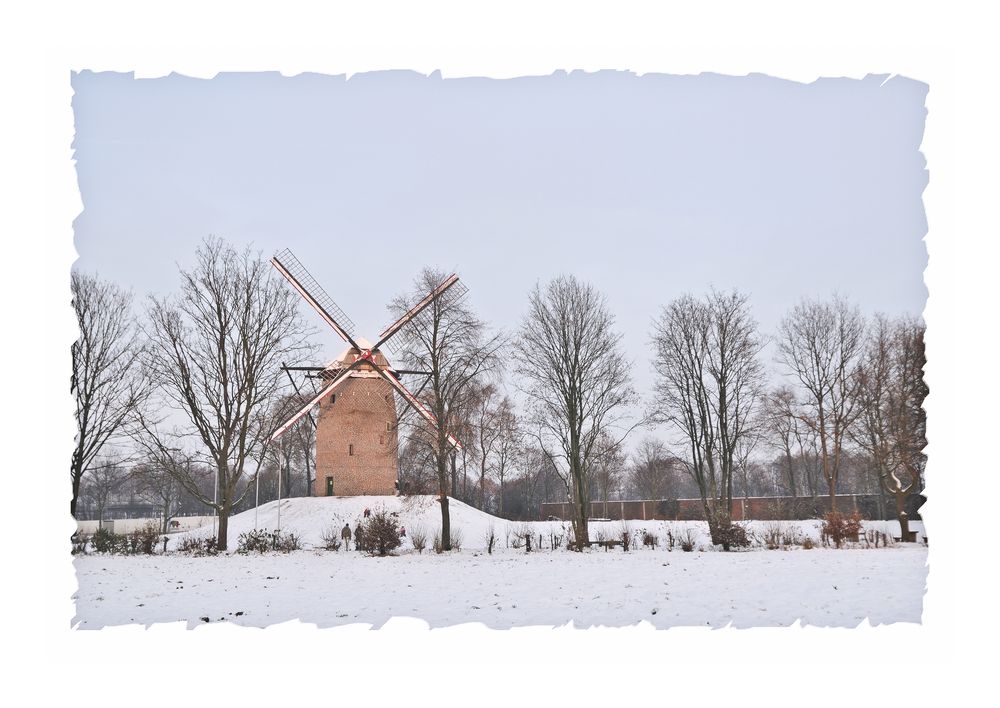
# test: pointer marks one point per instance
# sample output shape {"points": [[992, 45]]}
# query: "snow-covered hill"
{"points": [[309, 517]]}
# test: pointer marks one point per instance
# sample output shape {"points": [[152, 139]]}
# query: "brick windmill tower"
{"points": [[356, 450]]}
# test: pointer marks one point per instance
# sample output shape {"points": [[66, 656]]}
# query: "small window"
{"points": [[333, 398], [350, 449], [388, 427], [381, 440]]}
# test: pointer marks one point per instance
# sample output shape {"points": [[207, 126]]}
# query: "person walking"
{"points": [[345, 535], [358, 540]]}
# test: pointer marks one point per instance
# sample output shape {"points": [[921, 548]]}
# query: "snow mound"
{"points": [[309, 517]]}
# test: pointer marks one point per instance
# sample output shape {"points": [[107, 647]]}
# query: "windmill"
{"points": [[356, 426]]}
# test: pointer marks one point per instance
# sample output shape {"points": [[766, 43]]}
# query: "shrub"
{"points": [[687, 540], [262, 541], [331, 538], [649, 539], [772, 535], [103, 540], [523, 536], [380, 533], [732, 536], [791, 536], [199, 546], [145, 539], [807, 543], [838, 528], [626, 537], [514, 539], [490, 539], [556, 539], [418, 536], [874, 537], [79, 541], [456, 539]]}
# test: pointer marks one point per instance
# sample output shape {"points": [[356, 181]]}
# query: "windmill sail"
{"points": [[296, 274]]}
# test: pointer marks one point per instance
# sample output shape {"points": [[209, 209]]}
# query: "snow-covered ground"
{"points": [[508, 588]]}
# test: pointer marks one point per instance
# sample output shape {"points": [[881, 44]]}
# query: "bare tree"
{"points": [[215, 355], [890, 393], [106, 380], [487, 432], [157, 486], [652, 471], [608, 471], [709, 382], [820, 344], [577, 381], [507, 447], [102, 481], [451, 343], [781, 422]]}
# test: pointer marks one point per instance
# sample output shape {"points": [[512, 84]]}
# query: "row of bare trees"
{"points": [[199, 385], [854, 388]]}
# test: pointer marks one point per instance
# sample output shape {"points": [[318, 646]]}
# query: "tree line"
{"points": [[178, 402]]}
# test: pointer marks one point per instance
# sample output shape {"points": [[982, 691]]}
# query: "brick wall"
{"points": [[759, 508], [361, 419]]}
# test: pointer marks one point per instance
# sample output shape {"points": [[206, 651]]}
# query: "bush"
{"points": [[838, 528], [556, 539], [626, 537], [380, 533], [262, 541], [79, 541], [687, 540], [791, 537], [772, 535], [418, 536], [437, 541], [456, 539], [874, 537], [331, 538], [649, 539], [105, 541], [199, 546], [144, 540], [491, 538], [732, 536], [522, 536], [807, 543]]}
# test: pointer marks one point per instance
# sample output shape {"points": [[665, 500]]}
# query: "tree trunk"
{"points": [[223, 528], [791, 473], [76, 494], [904, 518], [445, 523]]}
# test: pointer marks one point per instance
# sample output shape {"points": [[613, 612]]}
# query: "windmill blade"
{"points": [[445, 289], [309, 406], [295, 386], [296, 274], [417, 405]]}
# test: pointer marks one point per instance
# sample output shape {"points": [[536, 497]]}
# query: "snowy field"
{"points": [[509, 588]]}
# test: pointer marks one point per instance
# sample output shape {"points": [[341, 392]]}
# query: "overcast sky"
{"points": [[647, 187]]}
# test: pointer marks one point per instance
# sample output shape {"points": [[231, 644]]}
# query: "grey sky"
{"points": [[647, 187]]}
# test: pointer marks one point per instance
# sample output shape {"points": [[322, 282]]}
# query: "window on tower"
{"points": [[350, 449], [333, 398]]}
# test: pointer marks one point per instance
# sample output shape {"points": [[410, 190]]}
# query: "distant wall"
{"points": [[759, 508], [184, 523]]}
